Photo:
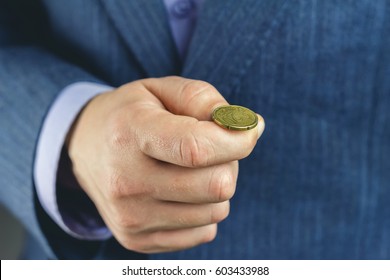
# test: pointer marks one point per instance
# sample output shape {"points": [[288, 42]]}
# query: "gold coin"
{"points": [[235, 117]]}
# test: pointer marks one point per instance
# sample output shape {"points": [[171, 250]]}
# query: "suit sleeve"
{"points": [[56, 186], [31, 76]]}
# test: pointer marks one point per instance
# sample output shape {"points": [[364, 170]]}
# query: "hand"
{"points": [[158, 170]]}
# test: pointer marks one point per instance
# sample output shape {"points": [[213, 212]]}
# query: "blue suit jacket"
{"points": [[317, 186]]}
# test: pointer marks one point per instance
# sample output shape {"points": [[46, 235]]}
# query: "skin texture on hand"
{"points": [[159, 171]]}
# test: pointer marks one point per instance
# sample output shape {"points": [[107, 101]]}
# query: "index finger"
{"points": [[186, 97]]}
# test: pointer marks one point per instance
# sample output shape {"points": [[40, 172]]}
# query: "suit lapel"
{"points": [[144, 27], [228, 37]]}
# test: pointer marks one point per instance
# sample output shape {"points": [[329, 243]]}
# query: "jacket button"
{"points": [[182, 8]]}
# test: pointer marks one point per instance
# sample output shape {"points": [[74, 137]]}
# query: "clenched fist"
{"points": [[159, 171]]}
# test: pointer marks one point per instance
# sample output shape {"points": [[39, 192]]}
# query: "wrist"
{"points": [[55, 132]]}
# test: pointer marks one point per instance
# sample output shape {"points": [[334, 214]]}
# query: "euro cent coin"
{"points": [[235, 117]]}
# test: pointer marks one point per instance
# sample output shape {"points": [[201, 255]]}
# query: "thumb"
{"points": [[181, 96]]}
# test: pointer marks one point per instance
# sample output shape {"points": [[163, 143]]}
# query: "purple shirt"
{"points": [[182, 16]]}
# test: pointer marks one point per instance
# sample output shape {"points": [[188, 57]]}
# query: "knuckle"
{"points": [[157, 240], [149, 144], [220, 212], [125, 241], [121, 186], [185, 221], [195, 90], [139, 247], [118, 137], [129, 223], [194, 87], [222, 185], [210, 234], [193, 152], [133, 245], [117, 187], [141, 243]]}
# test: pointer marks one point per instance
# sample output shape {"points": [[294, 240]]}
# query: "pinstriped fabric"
{"points": [[25, 94], [317, 184], [235, 36], [144, 27]]}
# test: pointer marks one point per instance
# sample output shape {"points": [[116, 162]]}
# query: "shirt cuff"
{"points": [[55, 128]]}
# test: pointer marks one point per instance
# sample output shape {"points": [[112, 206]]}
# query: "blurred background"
{"points": [[11, 236]]}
